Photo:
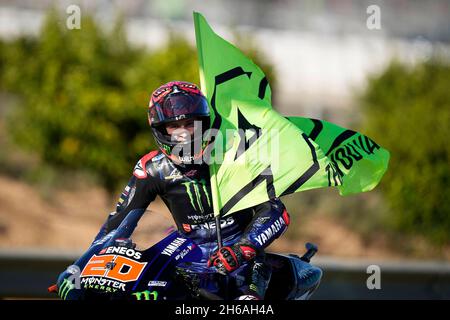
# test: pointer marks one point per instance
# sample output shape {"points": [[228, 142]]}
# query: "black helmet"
{"points": [[174, 101]]}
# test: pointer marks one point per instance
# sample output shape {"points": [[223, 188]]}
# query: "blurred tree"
{"points": [[84, 94], [408, 110]]}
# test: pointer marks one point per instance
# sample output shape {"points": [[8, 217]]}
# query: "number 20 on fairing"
{"points": [[124, 269]]}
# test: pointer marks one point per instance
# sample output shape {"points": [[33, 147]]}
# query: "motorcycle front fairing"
{"points": [[113, 268], [173, 269]]}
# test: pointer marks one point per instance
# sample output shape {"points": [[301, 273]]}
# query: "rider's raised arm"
{"points": [[270, 221]]}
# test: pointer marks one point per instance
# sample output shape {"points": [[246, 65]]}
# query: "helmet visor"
{"points": [[178, 106]]}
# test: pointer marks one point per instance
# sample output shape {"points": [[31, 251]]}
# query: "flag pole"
{"points": [[215, 201], [219, 232], [212, 167]]}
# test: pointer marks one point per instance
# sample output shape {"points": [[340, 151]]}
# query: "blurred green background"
{"points": [[73, 119]]}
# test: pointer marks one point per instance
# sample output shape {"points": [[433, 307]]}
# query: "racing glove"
{"points": [[228, 259], [67, 288]]}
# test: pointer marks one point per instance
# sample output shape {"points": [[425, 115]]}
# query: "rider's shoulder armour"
{"points": [[154, 164]]}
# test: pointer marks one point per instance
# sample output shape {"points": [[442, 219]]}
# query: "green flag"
{"points": [[257, 154], [359, 161]]}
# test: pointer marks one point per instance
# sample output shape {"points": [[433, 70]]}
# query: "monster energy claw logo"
{"points": [[197, 199], [65, 288], [146, 295]]}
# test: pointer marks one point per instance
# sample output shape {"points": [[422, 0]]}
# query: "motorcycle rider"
{"points": [[178, 115]]}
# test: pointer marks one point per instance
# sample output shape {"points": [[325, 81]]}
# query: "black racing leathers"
{"points": [[187, 193]]}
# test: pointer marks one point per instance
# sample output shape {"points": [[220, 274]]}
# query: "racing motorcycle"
{"points": [[113, 268]]}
